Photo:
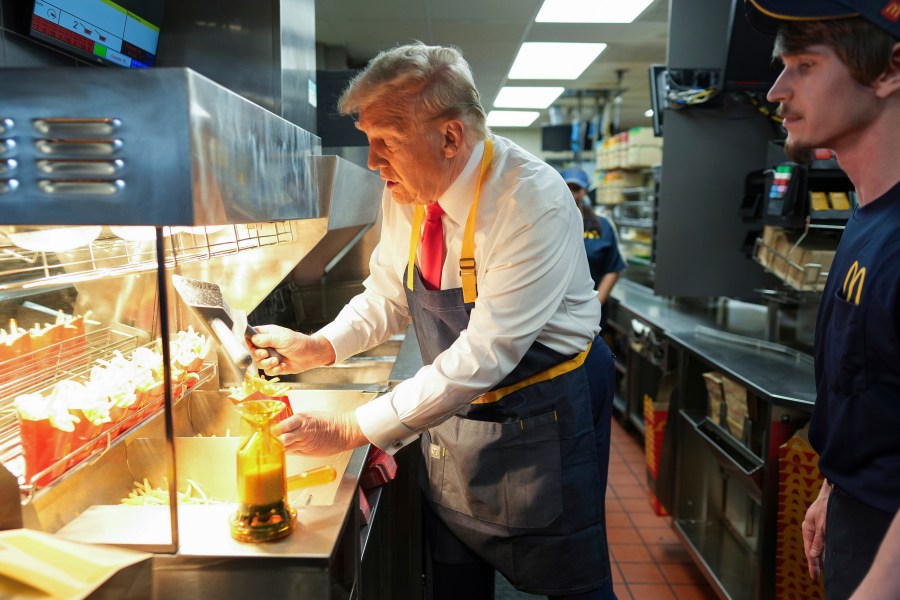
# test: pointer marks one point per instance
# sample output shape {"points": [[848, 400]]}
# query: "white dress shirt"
{"points": [[533, 284]]}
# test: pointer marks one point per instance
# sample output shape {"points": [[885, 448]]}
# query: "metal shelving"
{"points": [[635, 219]]}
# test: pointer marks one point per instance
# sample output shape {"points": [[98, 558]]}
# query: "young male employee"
{"points": [[840, 89]]}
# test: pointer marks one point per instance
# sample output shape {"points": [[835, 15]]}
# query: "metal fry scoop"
{"points": [[206, 299]]}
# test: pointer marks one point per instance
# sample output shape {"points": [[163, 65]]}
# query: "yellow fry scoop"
{"points": [[312, 478]]}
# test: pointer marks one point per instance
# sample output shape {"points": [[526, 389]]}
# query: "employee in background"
{"points": [[840, 89], [601, 246], [600, 240], [514, 386]]}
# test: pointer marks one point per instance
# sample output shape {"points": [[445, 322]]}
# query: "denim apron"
{"points": [[515, 475]]}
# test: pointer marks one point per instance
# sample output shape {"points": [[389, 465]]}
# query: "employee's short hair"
{"points": [[863, 47]]}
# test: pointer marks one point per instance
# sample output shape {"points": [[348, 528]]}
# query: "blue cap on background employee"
{"points": [[576, 176], [766, 14]]}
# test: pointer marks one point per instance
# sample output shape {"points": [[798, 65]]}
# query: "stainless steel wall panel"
{"points": [[707, 154], [264, 51], [699, 228], [232, 43], [298, 62]]}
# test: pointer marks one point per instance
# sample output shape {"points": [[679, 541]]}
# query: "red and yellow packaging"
{"points": [[255, 387], [47, 430]]}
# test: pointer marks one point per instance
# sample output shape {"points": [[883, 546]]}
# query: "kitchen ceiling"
{"points": [[489, 33]]}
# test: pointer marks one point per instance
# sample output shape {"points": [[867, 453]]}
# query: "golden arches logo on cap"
{"points": [[765, 15], [891, 11]]}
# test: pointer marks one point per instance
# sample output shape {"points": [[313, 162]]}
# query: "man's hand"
{"points": [[300, 352], [321, 433], [814, 531]]}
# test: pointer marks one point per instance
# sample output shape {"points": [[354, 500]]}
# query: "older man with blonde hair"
{"points": [[481, 249]]}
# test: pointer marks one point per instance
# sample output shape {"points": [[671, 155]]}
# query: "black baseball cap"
{"points": [[765, 15]]}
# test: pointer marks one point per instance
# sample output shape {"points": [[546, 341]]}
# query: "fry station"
{"points": [[118, 393]]}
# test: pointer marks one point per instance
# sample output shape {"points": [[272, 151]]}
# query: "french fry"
{"points": [[144, 494]]}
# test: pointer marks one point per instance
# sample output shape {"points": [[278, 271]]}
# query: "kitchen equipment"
{"points": [[249, 203], [307, 479], [207, 301], [263, 513], [207, 463]]}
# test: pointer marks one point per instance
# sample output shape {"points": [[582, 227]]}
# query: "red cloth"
{"points": [[431, 263], [380, 468]]}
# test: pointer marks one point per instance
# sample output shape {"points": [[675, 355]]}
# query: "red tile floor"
{"points": [[648, 560]]}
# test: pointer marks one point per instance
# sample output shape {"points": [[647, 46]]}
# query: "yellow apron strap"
{"points": [[554, 371], [414, 244], [467, 255]]}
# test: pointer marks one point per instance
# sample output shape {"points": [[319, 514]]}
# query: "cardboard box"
{"points": [[801, 261], [642, 136], [640, 156], [716, 395], [816, 259], [736, 406], [621, 179], [727, 402]]}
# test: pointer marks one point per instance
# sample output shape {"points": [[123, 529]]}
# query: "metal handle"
{"points": [[96, 187], [273, 353], [85, 147], [86, 127], [312, 478], [237, 351]]}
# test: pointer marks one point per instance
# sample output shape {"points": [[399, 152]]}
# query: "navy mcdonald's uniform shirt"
{"points": [[855, 424], [602, 249]]}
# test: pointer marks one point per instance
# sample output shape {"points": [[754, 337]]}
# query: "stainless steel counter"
{"points": [[784, 378], [773, 371], [720, 484], [320, 556], [662, 312]]}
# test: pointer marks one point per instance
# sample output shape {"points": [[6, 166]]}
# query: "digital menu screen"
{"points": [[123, 33]]}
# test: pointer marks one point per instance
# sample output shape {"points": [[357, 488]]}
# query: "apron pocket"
{"points": [[509, 474]]}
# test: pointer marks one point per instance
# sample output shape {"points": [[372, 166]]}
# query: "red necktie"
{"points": [[432, 259]]}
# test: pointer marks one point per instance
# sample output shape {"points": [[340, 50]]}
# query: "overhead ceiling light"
{"points": [[648, 113], [591, 11], [554, 60], [511, 118], [527, 97]]}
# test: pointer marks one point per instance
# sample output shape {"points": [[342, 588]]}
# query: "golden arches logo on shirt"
{"points": [[853, 282], [592, 235]]}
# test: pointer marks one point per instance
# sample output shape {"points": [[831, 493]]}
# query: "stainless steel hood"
{"points": [[169, 147], [147, 147], [347, 203]]}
